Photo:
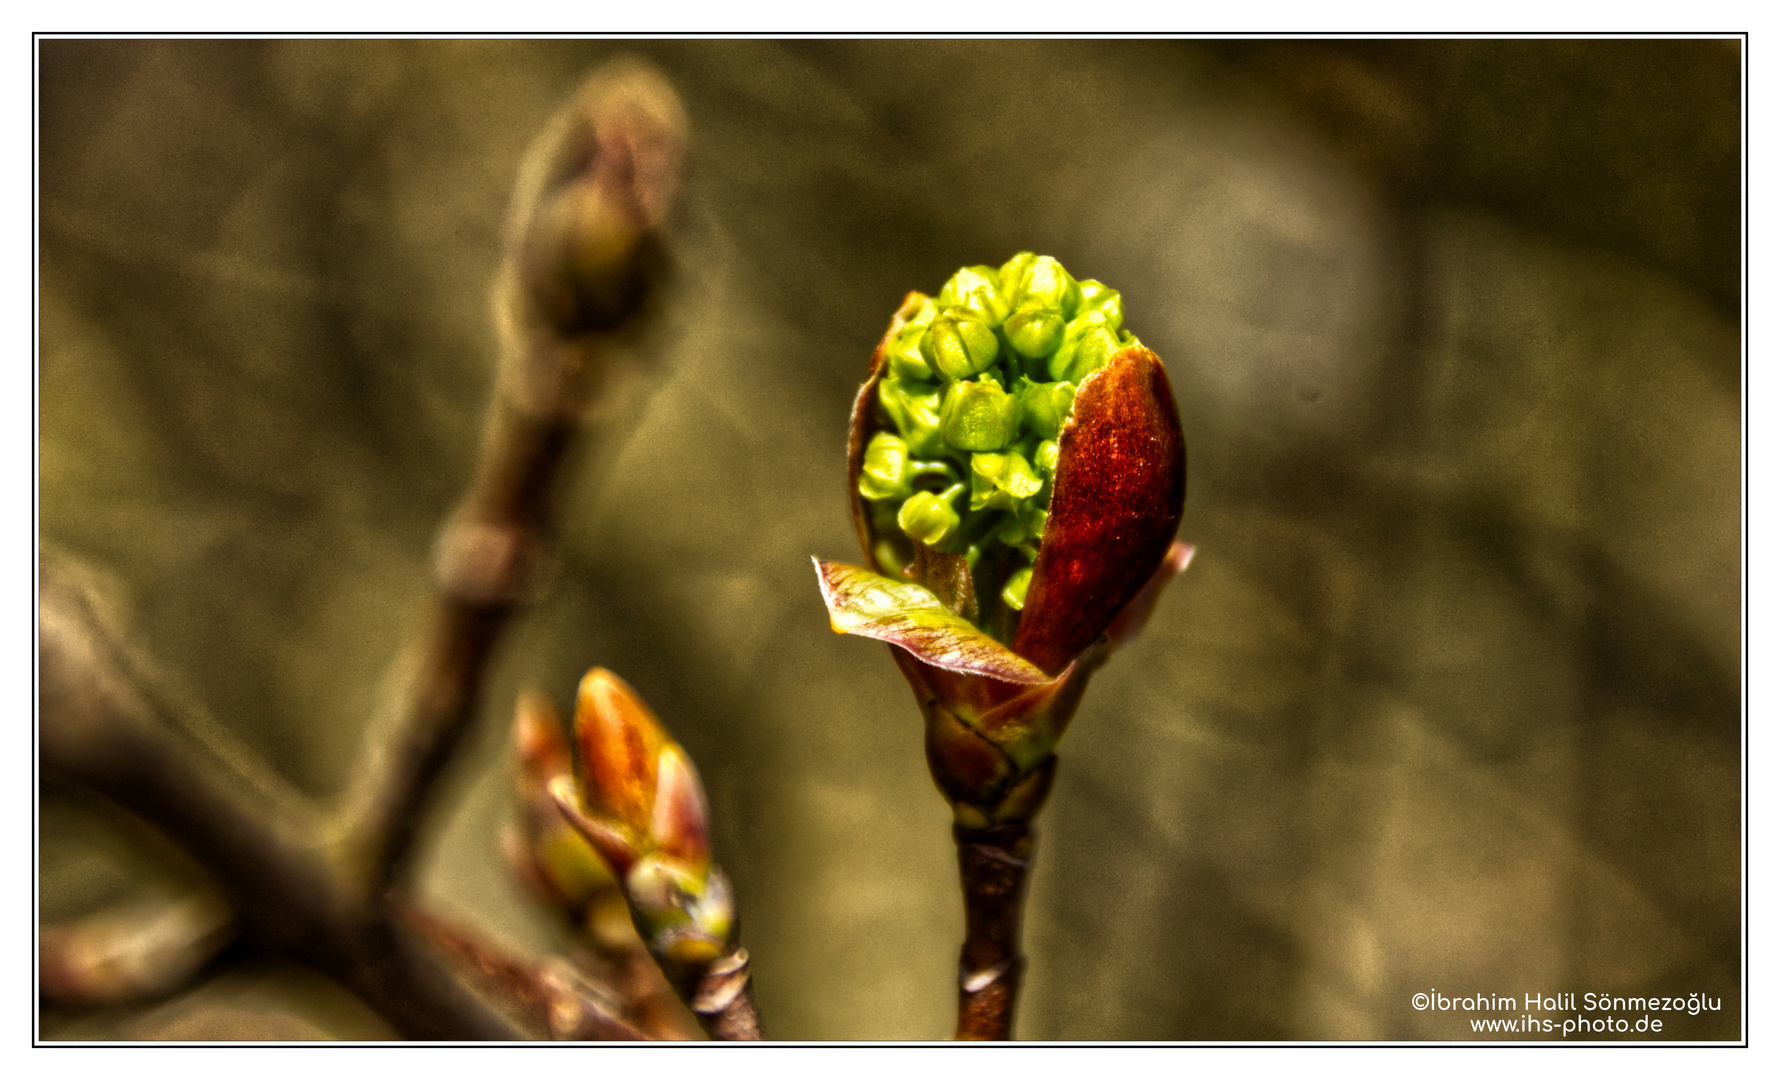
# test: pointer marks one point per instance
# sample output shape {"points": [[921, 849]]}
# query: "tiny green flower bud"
{"points": [[1045, 457], [1012, 271], [1011, 531], [1035, 518], [929, 517], [888, 558], [906, 361], [1014, 593], [1034, 331], [979, 416], [958, 345], [915, 410], [1000, 482], [1083, 356], [977, 289], [1044, 283], [1103, 302], [886, 471], [1045, 406], [904, 352]]}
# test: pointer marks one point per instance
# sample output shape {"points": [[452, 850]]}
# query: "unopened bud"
{"points": [[929, 517], [1083, 355], [979, 416], [958, 345], [1001, 482], [620, 742], [978, 290], [904, 351], [1101, 305], [1012, 271], [1013, 594], [1043, 283], [885, 474], [914, 408], [1045, 406], [1034, 331]]}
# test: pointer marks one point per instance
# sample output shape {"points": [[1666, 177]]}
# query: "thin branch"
{"points": [[723, 1000], [552, 996], [107, 723], [992, 867], [582, 268]]}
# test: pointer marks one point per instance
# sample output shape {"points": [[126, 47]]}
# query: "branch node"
{"points": [[973, 981], [722, 982]]}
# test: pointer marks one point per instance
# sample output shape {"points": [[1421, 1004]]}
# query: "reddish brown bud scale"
{"points": [[864, 424], [1120, 490]]}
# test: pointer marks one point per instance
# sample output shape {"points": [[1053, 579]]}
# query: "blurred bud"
{"points": [[133, 951], [594, 191], [552, 857], [639, 802]]}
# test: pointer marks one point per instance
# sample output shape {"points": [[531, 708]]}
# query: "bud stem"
{"points": [[723, 1000], [992, 867]]}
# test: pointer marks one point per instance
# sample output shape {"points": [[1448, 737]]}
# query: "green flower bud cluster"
{"points": [[977, 387]]}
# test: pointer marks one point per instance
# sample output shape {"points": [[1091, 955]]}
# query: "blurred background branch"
{"points": [[1452, 692], [583, 265]]}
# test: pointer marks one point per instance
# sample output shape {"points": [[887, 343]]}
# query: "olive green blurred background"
{"points": [[1449, 699]]}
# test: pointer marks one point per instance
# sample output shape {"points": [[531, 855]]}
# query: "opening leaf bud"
{"points": [[679, 824]]}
